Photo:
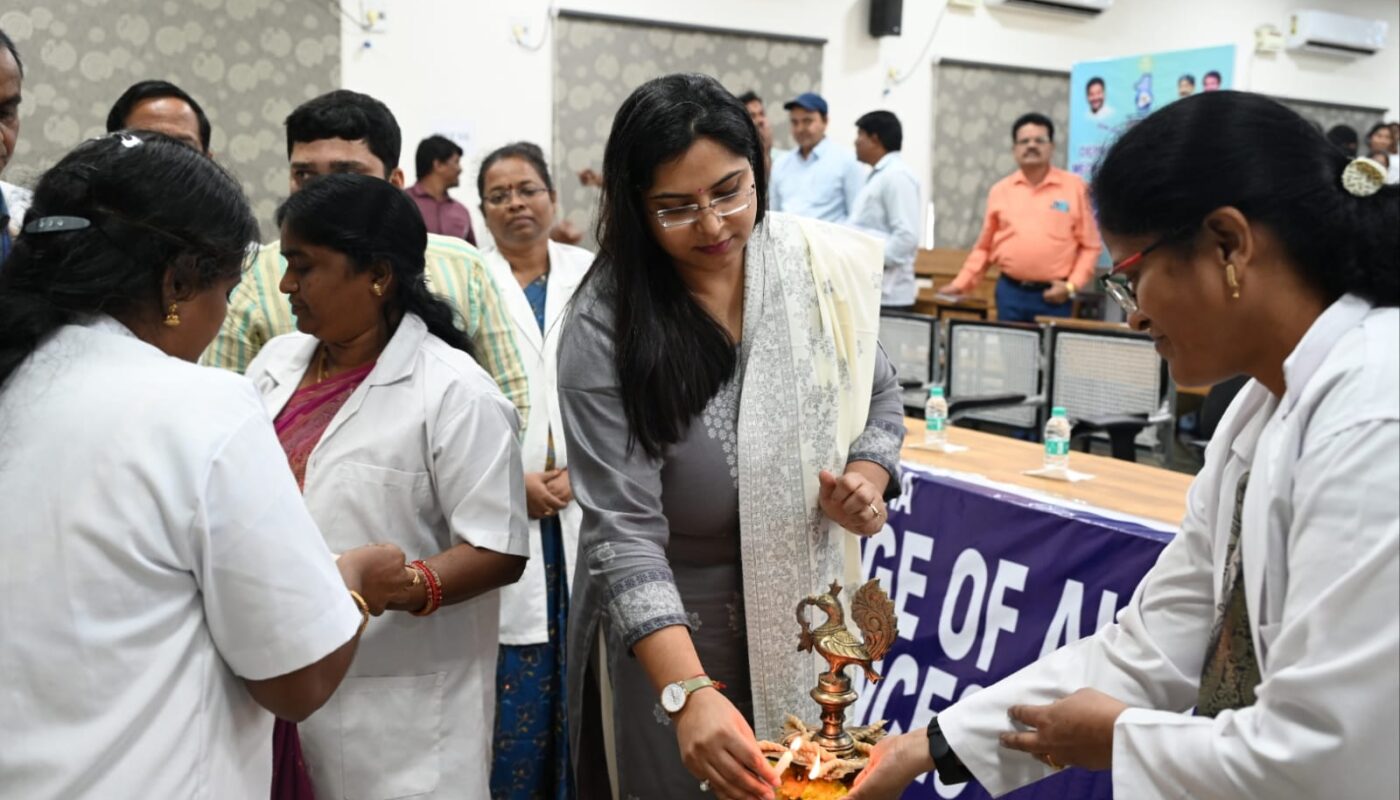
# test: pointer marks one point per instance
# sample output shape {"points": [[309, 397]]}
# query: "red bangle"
{"points": [[430, 577]]}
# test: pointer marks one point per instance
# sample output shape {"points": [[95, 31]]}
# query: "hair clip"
{"points": [[130, 140], [56, 224], [1363, 177]]}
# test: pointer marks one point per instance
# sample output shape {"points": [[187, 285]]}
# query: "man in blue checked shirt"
{"points": [[888, 205], [819, 179]]}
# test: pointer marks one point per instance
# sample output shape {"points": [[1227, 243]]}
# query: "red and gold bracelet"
{"points": [[434, 590]]}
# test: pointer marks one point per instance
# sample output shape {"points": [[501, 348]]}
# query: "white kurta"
{"points": [[155, 553], [423, 454], [1321, 548], [524, 618]]}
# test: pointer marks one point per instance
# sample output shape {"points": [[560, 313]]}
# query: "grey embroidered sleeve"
{"points": [[883, 436], [623, 535]]}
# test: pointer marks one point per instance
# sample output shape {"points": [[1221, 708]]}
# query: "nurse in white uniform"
{"points": [[163, 591], [1258, 658], [396, 434], [537, 277]]}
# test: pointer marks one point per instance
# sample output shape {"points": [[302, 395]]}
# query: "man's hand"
{"points": [[1076, 730], [1057, 293]]}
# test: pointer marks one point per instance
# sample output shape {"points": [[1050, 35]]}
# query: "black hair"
{"points": [[343, 114], [9, 44], [528, 151], [671, 355], [431, 150], [153, 204], [372, 221], [1379, 126], [150, 90], [1243, 150], [750, 97], [1189, 78], [1092, 81], [1211, 74], [1033, 118], [1345, 137], [884, 126]]}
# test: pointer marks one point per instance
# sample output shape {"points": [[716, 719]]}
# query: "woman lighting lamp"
{"points": [[396, 434], [1245, 244], [726, 406]]}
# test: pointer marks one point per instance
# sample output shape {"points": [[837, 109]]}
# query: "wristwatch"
{"points": [[674, 695], [1070, 286]]}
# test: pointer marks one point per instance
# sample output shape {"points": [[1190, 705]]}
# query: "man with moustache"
{"points": [[1039, 231], [13, 199]]}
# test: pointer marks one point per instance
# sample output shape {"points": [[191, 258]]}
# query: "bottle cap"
{"points": [[1058, 411], [935, 391]]}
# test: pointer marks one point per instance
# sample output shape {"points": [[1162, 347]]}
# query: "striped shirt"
{"points": [[258, 311]]}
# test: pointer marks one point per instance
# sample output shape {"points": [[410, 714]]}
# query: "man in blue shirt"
{"points": [[888, 205], [818, 179]]}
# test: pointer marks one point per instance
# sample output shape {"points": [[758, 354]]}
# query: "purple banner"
{"points": [[985, 582]]}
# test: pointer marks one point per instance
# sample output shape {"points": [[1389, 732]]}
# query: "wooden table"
{"points": [[1121, 486]]}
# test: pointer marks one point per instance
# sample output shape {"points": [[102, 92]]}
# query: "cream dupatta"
{"points": [[811, 315]]}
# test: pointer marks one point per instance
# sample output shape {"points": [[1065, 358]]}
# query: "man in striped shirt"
{"points": [[344, 131]]}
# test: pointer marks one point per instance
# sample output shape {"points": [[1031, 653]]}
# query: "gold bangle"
{"points": [[364, 610]]}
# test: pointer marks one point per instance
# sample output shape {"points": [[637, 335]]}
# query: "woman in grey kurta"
{"points": [[689, 532]]}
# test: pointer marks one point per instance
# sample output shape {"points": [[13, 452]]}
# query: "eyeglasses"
{"points": [[527, 192], [1116, 284], [722, 207]]}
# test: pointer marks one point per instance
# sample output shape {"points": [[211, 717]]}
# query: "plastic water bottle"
{"points": [[1057, 432], [935, 418]]}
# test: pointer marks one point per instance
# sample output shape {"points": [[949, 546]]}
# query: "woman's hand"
{"points": [[1075, 731], [540, 500], [894, 764], [560, 487], [718, 746], [852, 501], [376, 571]]}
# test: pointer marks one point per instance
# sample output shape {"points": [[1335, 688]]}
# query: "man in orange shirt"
{"points": [[1039, 231]]}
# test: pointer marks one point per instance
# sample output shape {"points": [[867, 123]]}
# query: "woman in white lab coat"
{"points": [[164, 591], [537, 277], [396, 433], [1244, 244]]}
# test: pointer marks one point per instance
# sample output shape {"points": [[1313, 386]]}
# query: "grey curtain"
{"points": [[599, 61], [247, 62]]}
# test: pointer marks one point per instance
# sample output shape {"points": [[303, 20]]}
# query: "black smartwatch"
{"points": [[946, 763]]}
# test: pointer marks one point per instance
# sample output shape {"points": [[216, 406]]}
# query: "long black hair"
{"points": [[153, 204], [372, 221], [671, 355], [1244, 150]]}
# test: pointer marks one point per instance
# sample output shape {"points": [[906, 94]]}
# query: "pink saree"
{"points": [[300, 426]]}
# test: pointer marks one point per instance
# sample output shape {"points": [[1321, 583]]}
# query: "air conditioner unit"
{"points": [[1335, 34], [1085, 7]]}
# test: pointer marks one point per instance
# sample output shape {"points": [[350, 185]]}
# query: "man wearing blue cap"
{"points": [[818, 179]]}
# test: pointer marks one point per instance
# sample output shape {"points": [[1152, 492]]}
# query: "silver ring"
{"points": [[704, 786]]}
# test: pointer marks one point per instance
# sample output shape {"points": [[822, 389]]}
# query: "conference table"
{"points": [[990, 568]]}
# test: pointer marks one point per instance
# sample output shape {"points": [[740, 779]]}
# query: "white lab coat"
{"points": [[154, 553], [423, 454], [523, 608], [1321, 547]]}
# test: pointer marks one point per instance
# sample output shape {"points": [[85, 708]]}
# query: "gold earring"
{"points": [[377, 288], [1232, 281], [172, 317]]}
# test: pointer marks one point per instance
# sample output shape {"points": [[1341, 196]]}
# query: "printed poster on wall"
{"points": [[1109, 95]]}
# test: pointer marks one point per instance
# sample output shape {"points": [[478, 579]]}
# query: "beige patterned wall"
{"points": [[248, 63], [974, 107], [598, 62]]}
